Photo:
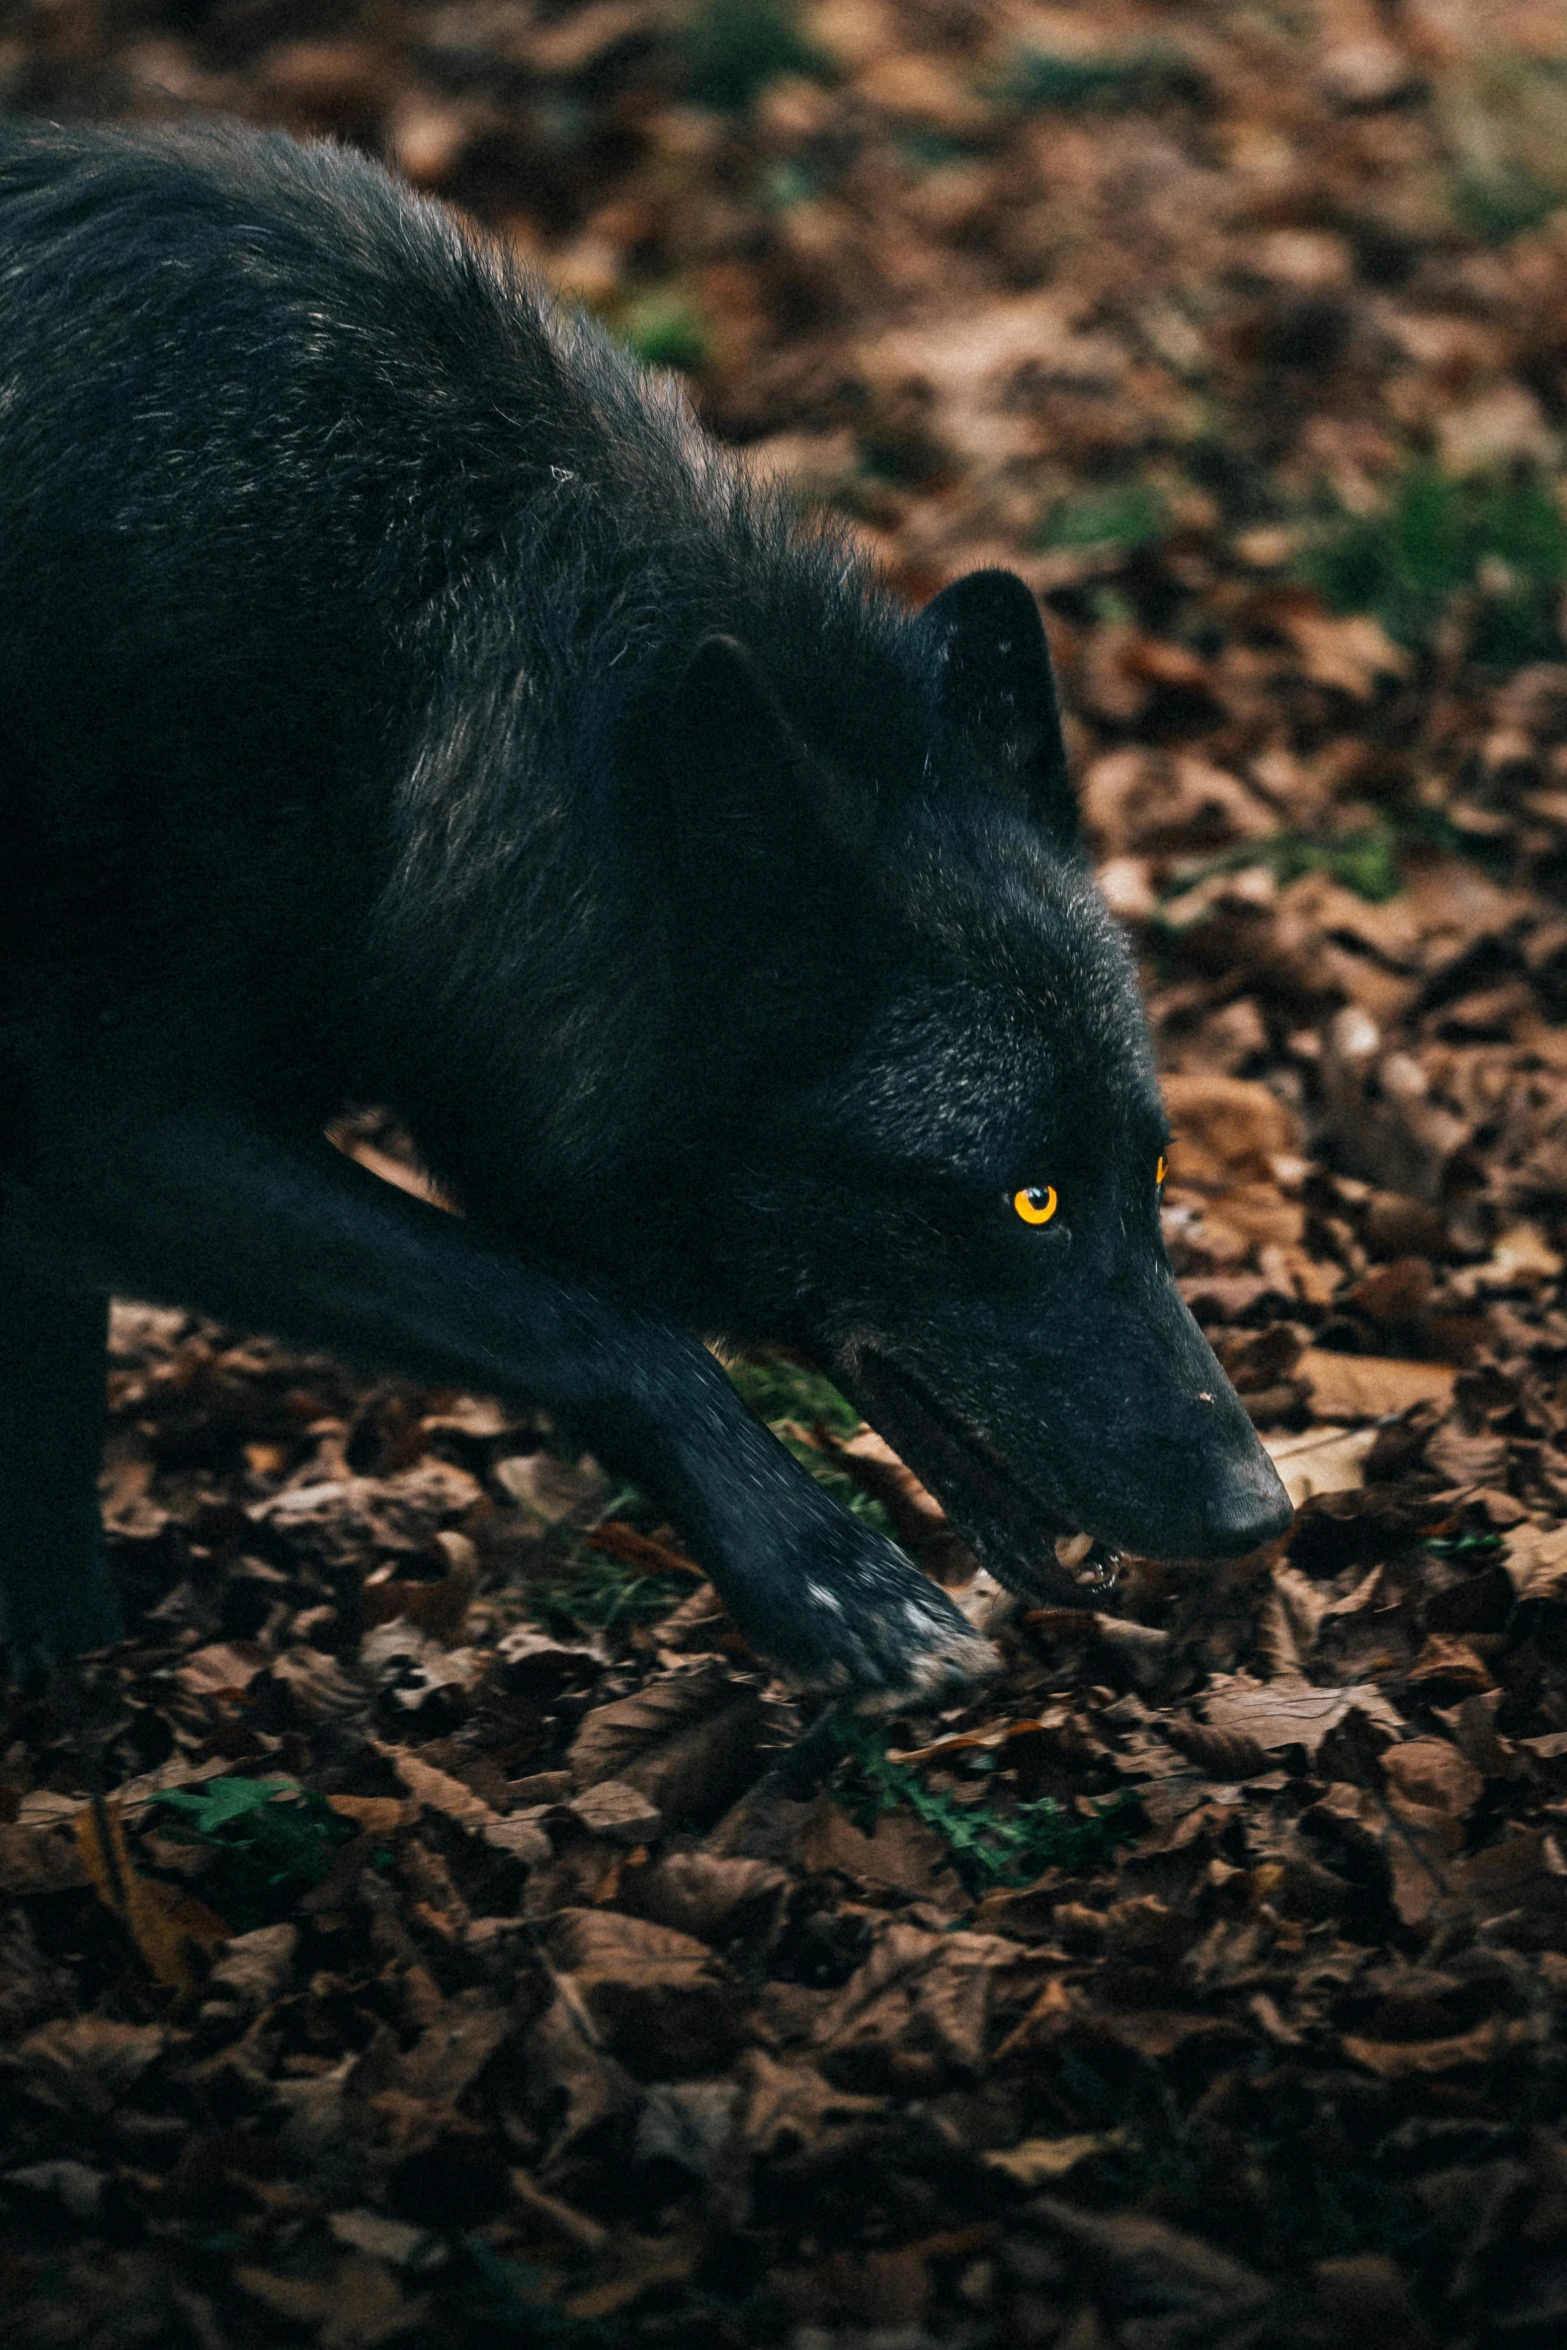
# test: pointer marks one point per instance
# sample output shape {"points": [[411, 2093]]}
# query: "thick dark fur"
{"points": [[402, 701]]}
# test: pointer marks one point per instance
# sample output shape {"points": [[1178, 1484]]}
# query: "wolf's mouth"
{"points": [[1027, 1546]]}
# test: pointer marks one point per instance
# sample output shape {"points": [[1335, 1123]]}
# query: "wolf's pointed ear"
{"points": [[989, 666], [725, 717], [745, 804], [733, 762]]}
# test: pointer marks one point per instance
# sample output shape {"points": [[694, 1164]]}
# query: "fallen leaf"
{"points": [[716, 1899], [900, 1853], [992, 1735], [622, 1813], [439, 1791], [1290, 1711], [636, 2265], [87, 2065], [1430, 1771], [1145, 2264], [1228, 1130], [917, 2015], [37, 1859], [684, 1739], [358, 2307], [1399, 2060], [1451, 1663], [659, 1998], [1370, 1387], [1036, 2162], [1323, 1460], [1351, 652], [623, 1542], [1536, 1562], [163, 1921], [373, 1815]]}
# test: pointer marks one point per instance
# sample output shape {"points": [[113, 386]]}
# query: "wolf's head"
{"points": [[944, 1180]]}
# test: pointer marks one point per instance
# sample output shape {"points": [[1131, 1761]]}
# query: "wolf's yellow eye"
{"points": [[1162, 1169], [1036, 1206]]}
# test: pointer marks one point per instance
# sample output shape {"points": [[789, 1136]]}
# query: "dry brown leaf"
{"points": [[993, 1735], [226, 1668], [573, 2085], [1536, 1562], [1450, 1662], [1398, 2060], [1227, 1129], [374, 1815], [438, 1604], [1370, 1387], [36, 1859], [713, 1898], [917, 2015], [637, 2265], [438, 1790], [623, 1542], [901, 1853], [321, 1689], [1432, 1772], [788, 2108], [163, 1921], [360, 2306], [1146, 2264], [683, 1739], [1289, 1712], [452, 2051], [1037, 2162], [615, 1810], [87, 2065], [1352, 652], [658, 1998], [251, 1969], [1223, 1754], [1323, 1460]]}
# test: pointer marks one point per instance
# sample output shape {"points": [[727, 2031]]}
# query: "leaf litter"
{"points": [[433, 1925]]}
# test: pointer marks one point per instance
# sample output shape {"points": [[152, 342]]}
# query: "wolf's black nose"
{"points": [[1249, 1508]]}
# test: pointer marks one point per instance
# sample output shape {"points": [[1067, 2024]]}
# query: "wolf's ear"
{"points": [[989, 666], [724, 714], [733, 762], [749, 813]]}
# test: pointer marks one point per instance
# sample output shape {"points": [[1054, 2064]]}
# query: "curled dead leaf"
{"points": [[1290, 1711]]}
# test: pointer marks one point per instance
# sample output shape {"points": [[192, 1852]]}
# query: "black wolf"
{"points": [[402, 701]]}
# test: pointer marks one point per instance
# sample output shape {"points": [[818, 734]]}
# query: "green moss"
{"points": [[789, 1396], [1504, 116], [664, 330], [594, 1589], [988, 1844], [1366, 861], [778, 1388], [1499, 540], [789, 182], [932, 150], [1108, 82], [272, 1841], [1129, 514], [733, 48], [1501, 204]]}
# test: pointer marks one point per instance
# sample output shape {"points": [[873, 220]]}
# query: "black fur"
{"points": [[402, 701]]}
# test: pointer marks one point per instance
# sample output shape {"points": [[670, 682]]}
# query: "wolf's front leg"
{"points": [[56, 1598], [203, 1207]]}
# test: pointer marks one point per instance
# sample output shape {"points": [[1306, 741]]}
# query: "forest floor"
{"points": [[427, 1929]]}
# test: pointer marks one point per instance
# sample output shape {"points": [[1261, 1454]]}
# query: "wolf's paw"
{"points": [[849, 1616]]}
